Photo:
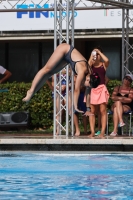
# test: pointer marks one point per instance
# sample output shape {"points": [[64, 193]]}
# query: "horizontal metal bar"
{"points": [[114, 3], [52, 9], [13, 38]]}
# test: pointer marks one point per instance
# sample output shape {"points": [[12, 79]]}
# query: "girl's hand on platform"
{"points": [[79, 111]]}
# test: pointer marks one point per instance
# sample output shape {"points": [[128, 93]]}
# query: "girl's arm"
{"points": [[78, 82]]}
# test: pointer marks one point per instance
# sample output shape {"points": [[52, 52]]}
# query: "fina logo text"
{"points": [[38, 14]]}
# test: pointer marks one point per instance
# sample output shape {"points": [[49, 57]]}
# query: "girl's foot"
{"points": [[77, 134], [91, 136], [100, 137], [28, 96]]}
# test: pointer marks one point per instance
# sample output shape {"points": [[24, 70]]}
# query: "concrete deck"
{"points": [[46, 142]]}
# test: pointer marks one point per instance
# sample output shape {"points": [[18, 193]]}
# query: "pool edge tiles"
{"points": [[63, 143], [66, 141]]}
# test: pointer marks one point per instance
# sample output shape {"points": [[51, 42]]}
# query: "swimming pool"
{"points": [[33, 175]]}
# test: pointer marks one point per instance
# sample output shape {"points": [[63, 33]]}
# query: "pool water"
{"points": [[33, 175]]}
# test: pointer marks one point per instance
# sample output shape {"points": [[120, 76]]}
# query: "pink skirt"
{"points": [[99, 95]]}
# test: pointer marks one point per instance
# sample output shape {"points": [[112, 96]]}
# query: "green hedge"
{"points": [[41, 105]]}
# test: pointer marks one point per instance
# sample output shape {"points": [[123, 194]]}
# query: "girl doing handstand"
{"points": [[64, 54]]}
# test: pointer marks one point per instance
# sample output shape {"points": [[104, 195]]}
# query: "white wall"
{"points": [[85, 19]]}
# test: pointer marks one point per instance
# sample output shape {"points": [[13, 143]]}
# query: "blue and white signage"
{"points": [[44, 20]]}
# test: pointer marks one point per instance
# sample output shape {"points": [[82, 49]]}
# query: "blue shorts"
{"points": [[81, 103], [52, 95]]}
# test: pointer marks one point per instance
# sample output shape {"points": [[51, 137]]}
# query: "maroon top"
{"points": [[101, 72]]}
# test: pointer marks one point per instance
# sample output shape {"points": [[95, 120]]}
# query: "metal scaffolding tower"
{"points": [[127, 48], [66, 34]]}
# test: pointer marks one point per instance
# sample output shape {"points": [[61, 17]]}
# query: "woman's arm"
{"points": [[91, 60], [114, 96], [6, 76], [104, 58], [130, 96], [122, 98]]}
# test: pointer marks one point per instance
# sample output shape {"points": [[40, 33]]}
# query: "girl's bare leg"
{"points": [[58, 115], [57, 107], [76, 124], [81, 68], [85, 124], [53, 66], [92, 121]]}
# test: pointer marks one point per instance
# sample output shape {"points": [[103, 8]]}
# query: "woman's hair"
{"points": [[99, 48]]}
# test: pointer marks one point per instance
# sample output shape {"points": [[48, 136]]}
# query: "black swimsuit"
{"points": [[69, 60], [66, 59]]}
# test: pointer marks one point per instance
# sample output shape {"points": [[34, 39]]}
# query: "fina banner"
{"points": [[44, 20]]}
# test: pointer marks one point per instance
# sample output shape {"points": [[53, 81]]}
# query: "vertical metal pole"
{"points": [[67, 72], [72, 76], [60, 98], [123, 38], [55, 44], [127, 38], [130, 125], [107, 131]]}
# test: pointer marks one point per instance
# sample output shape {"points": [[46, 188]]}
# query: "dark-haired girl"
{"points": [[64, 54]]}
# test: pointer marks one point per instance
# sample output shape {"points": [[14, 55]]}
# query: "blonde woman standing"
{"points": [[99, 95]]}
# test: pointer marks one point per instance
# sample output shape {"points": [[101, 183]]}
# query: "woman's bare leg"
{"points": [[119, 109], [48, 70], [103, 112], [69, 102], [99, 118], [115, 120]]}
